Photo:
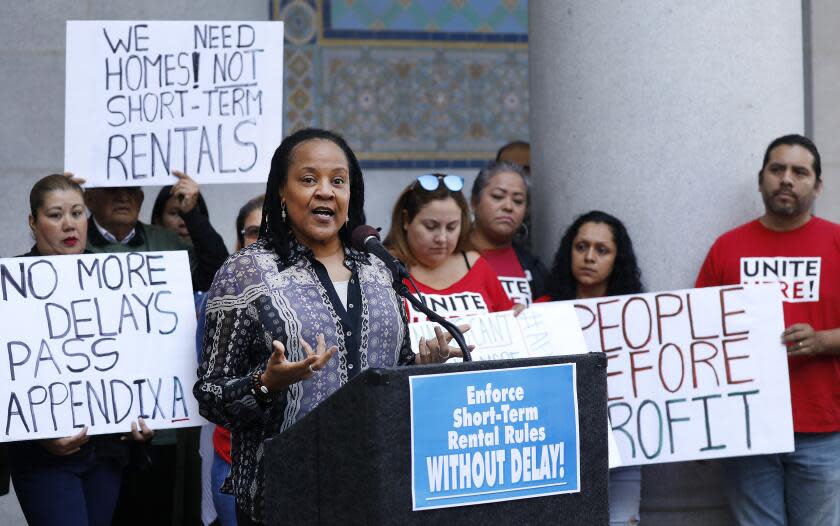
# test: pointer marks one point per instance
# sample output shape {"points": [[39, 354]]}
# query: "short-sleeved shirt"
{"points": [[806, 264], [478, 292], [515, 280]]}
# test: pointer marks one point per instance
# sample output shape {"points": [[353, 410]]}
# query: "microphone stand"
{"points": [[400, 273]]}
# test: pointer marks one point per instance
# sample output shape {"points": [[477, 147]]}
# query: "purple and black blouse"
{"points": [[258, 297]]}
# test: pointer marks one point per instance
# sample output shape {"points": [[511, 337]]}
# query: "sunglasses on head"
{"points": [[431, 182]]}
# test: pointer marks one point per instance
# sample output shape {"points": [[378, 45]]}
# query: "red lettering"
{"points": [[725, 314], [798, 292], [694, 335], [784, 287], [727, 358], [661, 314], [584, 326], [661, 368], [625, 324], [634, 369], [706, 360], [603, 328]]}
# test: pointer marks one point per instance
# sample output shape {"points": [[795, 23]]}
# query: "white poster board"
{"points": [[693, 374], [147, 97], [546, 329], [96, 340]]}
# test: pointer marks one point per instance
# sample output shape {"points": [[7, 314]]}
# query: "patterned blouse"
{"points": [[258, 297]]}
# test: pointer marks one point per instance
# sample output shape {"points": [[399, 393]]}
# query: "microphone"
{"points": [[365, 238]]}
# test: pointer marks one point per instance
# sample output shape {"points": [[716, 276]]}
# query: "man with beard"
{"points": [[789, 246]]}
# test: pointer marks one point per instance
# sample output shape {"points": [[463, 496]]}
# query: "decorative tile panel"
{"points": [[436, 20], [429, 84]]}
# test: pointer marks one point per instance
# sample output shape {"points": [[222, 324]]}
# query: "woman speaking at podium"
{"points": [[292, 317]]}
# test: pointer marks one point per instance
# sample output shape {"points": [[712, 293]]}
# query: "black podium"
{"points": [[349, 461]]}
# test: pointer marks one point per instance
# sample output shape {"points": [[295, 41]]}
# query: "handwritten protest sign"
{"points": [[496, 336], [145, 98], [551, 329], [693, 374], [547, 329], [488, 436], [96, 340]]}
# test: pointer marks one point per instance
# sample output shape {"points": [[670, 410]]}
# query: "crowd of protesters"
{"points": [[474, 247]]}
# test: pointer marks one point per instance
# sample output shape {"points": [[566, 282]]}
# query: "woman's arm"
{"points": [[208, 247], [224, 389]]}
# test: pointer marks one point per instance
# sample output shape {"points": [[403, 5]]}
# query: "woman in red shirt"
{"points": [[500, 201], [430, 231]]}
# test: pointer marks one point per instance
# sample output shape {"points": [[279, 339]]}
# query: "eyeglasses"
{"points": [[431, 182], [251, 231]]}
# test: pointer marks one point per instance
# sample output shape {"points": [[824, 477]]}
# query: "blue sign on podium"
{"points": [[489, 436]]}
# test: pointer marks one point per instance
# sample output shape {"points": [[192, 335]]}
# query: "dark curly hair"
{"points": [[626, 278], [273, 228]]}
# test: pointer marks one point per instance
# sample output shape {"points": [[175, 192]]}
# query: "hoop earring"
{"points": [[523, 234], [283, 211]]}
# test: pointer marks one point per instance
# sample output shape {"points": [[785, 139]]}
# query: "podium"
{"points": [[349, 461]]}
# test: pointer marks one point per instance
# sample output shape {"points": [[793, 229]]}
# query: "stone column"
{"points": [[659, 113]]}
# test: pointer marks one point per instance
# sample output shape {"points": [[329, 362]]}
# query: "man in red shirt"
{"points": [[789, 246]]}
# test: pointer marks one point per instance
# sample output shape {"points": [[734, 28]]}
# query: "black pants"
{"points": [[165, 491], [4, 471]]}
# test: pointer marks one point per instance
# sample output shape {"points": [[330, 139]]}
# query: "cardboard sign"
{"points": [[694, 374], [96, 340], [145, 98], [489, 436]]}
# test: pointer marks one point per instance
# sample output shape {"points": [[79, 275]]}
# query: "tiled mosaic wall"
{"points": [[410, 83]]}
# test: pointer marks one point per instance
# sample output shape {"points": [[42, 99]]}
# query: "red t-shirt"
{"points": [[514, 279], [806, 263], [221, 443], [478, 292]]}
